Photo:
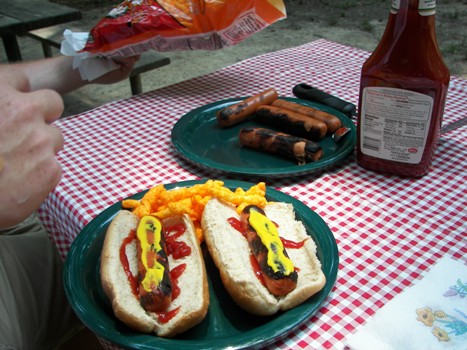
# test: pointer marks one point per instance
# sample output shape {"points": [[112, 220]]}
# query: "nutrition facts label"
{"points": [[394, 124], [246, 25]]}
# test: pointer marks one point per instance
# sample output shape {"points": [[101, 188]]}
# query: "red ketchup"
{"points": [[403, 90], [126, 266], [291, 244], [175, 248], [164, 317], [175, 273], [178, 250], [257, 269], [236, 224]]}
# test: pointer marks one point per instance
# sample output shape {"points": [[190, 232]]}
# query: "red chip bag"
{"points": [[135, 26]]}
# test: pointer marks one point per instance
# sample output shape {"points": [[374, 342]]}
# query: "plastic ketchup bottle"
{"points": [[403, 90]]}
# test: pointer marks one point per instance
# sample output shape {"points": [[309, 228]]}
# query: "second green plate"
{"points": [[198, 139]]}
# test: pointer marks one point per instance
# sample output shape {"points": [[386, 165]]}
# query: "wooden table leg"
{"points": [[12, 48], [136, 85]]}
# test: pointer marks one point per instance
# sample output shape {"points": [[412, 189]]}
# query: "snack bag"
{"points": [[135, 26]]}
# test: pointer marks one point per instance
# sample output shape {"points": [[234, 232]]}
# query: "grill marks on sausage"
{"points": [[331, 121], [294, 123], [299, 126], [155, 286], [276, 277], [154, 242], [301, 150], [238, 112]]}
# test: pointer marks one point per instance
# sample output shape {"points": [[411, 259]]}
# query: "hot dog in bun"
{"points": [[153, 273], [266, 260]]}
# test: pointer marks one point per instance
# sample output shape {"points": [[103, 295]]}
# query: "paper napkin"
{"points": [[429, 315], [90, 66]]}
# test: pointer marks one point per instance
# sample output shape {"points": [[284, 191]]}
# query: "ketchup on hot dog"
{"points": [[155, 241]]}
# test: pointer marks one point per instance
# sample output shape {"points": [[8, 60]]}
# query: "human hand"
{"points": [[126, 66], [28, 145]]}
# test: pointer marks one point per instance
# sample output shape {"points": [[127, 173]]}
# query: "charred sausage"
{"points": [[291, 122], [278, 271], [238, 112], [288, 146], [155, 286], [332, 122]]}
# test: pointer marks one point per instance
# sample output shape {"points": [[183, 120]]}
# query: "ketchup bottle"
{"points": [[403, 90]]}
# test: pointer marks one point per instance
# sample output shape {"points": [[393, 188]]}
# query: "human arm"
{"points": [[30, 102], [58, 74]]}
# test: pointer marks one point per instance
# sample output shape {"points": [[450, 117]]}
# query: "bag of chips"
{"points": [[135, 26]]}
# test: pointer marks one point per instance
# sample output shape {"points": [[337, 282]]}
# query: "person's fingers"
{"points": [[125, 66], [127, 60], [53, 170], [127, 63], [58, 140], [52, 109], [45, 102], [16, 79], [45, 178]]}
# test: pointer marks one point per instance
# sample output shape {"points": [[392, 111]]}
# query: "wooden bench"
{"points": [[53, 36], [17, 17]]}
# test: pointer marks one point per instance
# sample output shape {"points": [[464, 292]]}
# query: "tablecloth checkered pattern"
{"points": [[389, 230]]}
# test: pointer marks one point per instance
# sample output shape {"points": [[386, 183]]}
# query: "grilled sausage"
{"points": [[292, 122], [155, 286], [302, 150], [238, 112], [332, 122], [277, 271]]}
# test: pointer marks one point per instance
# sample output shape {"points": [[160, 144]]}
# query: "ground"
{"points": [[358, 23]]}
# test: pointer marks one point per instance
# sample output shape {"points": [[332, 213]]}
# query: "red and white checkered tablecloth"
{"points": [[389, 230]]}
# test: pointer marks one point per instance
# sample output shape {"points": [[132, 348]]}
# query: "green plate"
{"points": [[198, 139], [226, 325]]}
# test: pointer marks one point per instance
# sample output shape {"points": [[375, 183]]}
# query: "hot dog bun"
{"points": [[231, 254], [194, 295]]}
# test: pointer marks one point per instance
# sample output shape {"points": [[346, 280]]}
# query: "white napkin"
{"points": [[90, 66], [429, 315]]}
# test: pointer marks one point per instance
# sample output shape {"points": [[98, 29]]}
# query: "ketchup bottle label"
{"points": [[395, 124], [425, 7], [395, 6]]}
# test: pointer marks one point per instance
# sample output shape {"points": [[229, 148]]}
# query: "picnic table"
{"points": [[17, 17], [390, 231]]}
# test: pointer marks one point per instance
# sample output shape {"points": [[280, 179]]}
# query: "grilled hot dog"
{"points": [[246, 262], [332, 122], [277, 271], [153, 273], [238, 112], [302, 150], [291, 122], [155, 285]]}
